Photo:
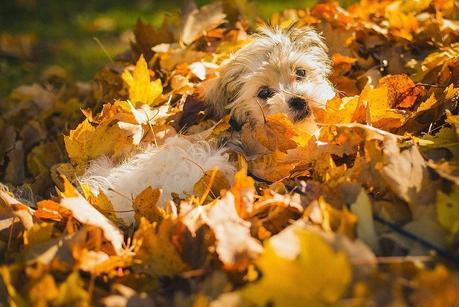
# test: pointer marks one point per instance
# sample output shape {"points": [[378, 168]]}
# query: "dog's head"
{"points": [[279, 71]]}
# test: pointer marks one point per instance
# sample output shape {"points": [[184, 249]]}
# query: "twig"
{"points": [[10, 235], [426, 244], [431, 85], [103, 49]]}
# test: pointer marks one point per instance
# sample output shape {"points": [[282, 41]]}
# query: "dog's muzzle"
{"points": [[299, 107]]}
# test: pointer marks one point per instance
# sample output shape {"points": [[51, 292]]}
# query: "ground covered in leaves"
{"points": [[366, 212]]}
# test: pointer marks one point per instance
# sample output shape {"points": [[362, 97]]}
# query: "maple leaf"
{"points": [[197, 21], [243, 189], [87, 142], [272, 214], [448, 209], [436, 287], [362, 208], [403, 92], [42, 290], [211, 183], [299, 268], [141, 89], [276, 133], [87, 214], [12, 208], [146, 37], [376, 109], [395, 68], [145, 205], [234, 242], [39, 233], [272, 167], [157, 255], [72, 291]]}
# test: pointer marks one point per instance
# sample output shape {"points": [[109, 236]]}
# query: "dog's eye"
{"points": [[300, 72], [265, 93]]}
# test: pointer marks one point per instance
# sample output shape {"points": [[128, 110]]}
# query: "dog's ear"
{"points": [[310, 41], [224, 89]]}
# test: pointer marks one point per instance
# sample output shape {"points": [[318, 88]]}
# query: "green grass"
{"points": [[65, 32]]}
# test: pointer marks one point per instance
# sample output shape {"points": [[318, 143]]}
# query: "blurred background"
{"points": [[79, 37]]}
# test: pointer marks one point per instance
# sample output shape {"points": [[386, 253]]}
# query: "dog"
{"points": [[279, 71]]}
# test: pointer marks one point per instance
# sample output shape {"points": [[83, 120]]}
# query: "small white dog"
{"points": [[279, 71]]}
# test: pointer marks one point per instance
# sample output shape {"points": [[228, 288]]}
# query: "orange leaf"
{"points": [[276, 133]]}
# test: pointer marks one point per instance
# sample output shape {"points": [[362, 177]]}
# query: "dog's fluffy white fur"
{"points": [[173, 167], [279, 71]]}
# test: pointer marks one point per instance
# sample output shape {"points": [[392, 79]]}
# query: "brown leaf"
{"points": [[145, 205], [198, 21], [403, 92]]}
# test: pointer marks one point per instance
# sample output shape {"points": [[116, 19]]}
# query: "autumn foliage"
{"points": [[365, 212]]}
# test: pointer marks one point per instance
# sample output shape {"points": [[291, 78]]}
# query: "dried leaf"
{"points": [[198, 21], [146, 205], [276, 133], [292, 259], [87, 214], [141, 89]]}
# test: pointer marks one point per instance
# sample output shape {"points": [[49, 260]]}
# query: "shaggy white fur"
{"points": [[171, 167]]}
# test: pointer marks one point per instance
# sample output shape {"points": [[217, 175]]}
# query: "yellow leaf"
{"points": [[101, 203], [146, 205], [42, 290], [39, 233], [448, 209], [276, 133], [141, 89], [380, 113], [210, 185], [299, 269], [85, 213], [157, 255], [437, 287], [243, 190], [43, 156], [235, 245], [72, 292], [338, 110], [88, 142], [402, 91], [14, 297], [272, 167], [366, 231]]}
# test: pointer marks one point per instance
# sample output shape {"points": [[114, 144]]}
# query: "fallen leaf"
{"points": [[276, 133], [157, 255], [141, 89], [292, 259], [448, 209], [366, 231], [87, 214], [234, 243], [146, 205], [198, 21]]}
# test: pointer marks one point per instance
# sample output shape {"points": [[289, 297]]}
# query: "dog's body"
{"points": [[279, 71]]}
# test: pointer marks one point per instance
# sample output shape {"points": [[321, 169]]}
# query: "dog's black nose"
{"points": [[300, 107], [297, 104]]}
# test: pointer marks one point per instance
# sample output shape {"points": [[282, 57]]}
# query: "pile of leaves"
{"points": [[365, 212]]}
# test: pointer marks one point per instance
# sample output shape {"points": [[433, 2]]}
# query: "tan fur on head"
{"points": [[279, 71]]}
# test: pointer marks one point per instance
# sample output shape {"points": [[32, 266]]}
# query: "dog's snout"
{"points": [[297, 104], [300, 108]]}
